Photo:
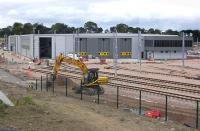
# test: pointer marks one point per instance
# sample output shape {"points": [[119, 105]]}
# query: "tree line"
{"points": [[89, 27]]}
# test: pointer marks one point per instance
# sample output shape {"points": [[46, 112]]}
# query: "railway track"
{"points": [[155, 80], [77, 75], [140, 82], [186, 87], [157, 73]]}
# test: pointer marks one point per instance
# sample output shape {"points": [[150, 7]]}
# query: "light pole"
{"points": [[140, 46], [78, 43], [115, 51], [55, 43], [74, 49], [33, 42], [183, 50]]}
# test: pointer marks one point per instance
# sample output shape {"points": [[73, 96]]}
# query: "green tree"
{"points": [[91, 27], [17, 28], [132, 30], [81, 30], [41, 28], [6, 31], [100, 30], [151, 31], [196, 34], [112, 29], [171, 32], [157, 31], [27, 28], [60, 28], [122, 28], [70, 29]]}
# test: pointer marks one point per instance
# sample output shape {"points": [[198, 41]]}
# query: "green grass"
{"points": [[2, 105], [27, 100], [2, 109]]}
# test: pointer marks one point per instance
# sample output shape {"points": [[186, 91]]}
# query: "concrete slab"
{"points": [[5, 99]]}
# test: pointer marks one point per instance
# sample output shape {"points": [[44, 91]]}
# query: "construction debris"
{"points": [[5, 99]]}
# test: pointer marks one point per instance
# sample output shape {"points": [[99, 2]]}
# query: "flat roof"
{"points": [[101, 35]]}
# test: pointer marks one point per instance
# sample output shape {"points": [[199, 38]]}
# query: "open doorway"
{"points": [[45, 47]]}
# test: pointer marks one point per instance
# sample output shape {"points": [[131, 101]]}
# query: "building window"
{"points": [[171, 43], [148, 43], [188, 43]]}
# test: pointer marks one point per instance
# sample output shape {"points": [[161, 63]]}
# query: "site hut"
{"points": [[130, 46]]}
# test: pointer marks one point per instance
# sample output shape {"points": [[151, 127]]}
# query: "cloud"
{"points": [[163, 14]]}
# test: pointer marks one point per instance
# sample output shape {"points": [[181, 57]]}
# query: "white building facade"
{"points": [[129, 46]]}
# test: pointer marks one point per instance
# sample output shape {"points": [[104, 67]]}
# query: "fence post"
{"points": [[197, 115], [47, 82], [53, 86], [140, 103], [117, 97], [36, 84], [98, 89], [66, 86], [41, 83], [166, 105], [81, 91]]}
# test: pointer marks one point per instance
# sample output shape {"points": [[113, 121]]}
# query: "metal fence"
{"points": [[135, 100]]}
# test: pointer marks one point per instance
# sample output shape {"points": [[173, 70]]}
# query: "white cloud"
{"points": [[156, 13]]}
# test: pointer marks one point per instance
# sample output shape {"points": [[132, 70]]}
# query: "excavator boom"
{"points": [[70, 61]]}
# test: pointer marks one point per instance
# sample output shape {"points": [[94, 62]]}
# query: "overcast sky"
{"points": [[162, 14]]}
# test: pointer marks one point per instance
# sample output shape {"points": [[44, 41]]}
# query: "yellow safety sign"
{"points": [[104, 53], [125, 53], [83, 53]]}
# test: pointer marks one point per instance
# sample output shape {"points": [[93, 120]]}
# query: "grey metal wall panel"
{"points": [[13, 43], [36, 46], [124, 45], [105, 45], [92, 46], [82, 47], [25, 42]]}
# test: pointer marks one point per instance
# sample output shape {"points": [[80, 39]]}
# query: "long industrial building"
{"points": [[129, 46]]}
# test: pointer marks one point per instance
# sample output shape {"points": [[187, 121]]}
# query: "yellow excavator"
{"points": [[90, 80]]}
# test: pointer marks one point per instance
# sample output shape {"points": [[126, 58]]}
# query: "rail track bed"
{"points": [[163, 87]]}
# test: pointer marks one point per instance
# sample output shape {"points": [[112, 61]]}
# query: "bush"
{"points": [[2, 106], [27, 100]]}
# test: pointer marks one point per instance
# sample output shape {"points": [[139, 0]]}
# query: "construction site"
{"points": [[124, 82]]}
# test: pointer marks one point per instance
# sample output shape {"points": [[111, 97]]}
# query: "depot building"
{"points": [[102, 45]]}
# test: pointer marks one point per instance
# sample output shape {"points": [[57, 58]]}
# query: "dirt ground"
{"points": [[50, 112]]}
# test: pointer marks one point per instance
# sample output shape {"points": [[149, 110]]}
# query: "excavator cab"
{"points": [[91, 76]]}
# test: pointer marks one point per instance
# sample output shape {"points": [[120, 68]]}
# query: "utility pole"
{"points": [[33, 42], [74, 49], [55, 43], [198, 43], [115, 51], [183, 50], [78, 43], [140, 46]]}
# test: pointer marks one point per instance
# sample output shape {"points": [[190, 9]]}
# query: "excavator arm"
{"points": [[70, 61]]}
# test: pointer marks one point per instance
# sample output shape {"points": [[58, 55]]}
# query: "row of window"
{"points": [[167, 51], [167, 43]]}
